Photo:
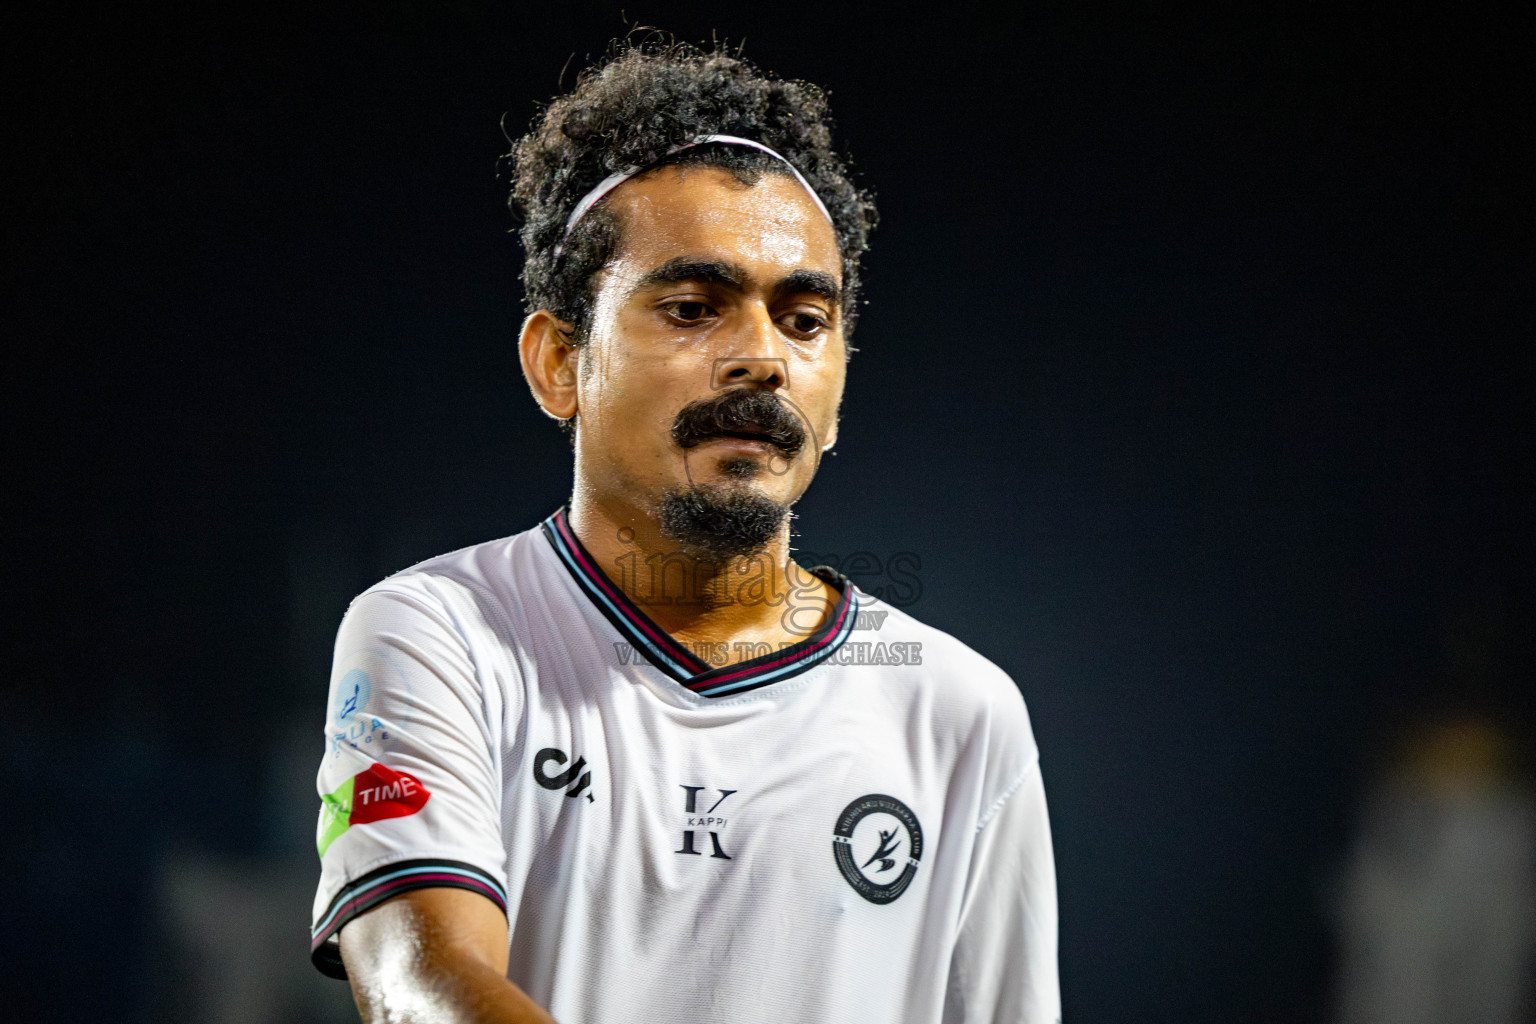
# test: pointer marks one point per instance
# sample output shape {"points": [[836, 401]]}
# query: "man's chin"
{"points": [[720, 521]]}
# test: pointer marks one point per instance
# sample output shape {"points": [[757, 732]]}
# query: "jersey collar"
{"points": [[676, 660]]}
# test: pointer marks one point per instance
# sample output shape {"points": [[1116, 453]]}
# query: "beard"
{"points": [[719, 523]]}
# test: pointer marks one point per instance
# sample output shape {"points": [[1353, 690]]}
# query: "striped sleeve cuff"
{"points": [[376, 886]]}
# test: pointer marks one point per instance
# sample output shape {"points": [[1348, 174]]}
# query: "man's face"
{"points": [[718, 290]]}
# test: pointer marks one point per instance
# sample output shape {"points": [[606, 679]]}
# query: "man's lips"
{"points": [[743, 437]]}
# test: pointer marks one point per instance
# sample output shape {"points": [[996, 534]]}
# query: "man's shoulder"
{"points": [[951, 672], [493, 570], [945, 658]]}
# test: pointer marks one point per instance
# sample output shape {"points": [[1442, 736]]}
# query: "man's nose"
{"points": [[762, 371], [760, 361]]}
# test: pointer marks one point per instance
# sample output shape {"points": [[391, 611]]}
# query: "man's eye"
{"points": [[804, 323], [688, 312]]}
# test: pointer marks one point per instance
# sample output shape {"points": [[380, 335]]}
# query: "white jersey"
{"points": [[852, 828]]}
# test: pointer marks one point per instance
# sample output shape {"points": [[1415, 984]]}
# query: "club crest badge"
{"points": [[878, 844]]}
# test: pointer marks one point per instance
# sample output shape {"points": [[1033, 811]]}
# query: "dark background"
{"points": [[1193, 370]]}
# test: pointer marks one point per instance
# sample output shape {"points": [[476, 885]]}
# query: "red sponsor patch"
{"points": [[380, 792]]}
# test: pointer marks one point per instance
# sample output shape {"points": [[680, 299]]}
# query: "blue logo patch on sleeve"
{"points": [[352, 695]]}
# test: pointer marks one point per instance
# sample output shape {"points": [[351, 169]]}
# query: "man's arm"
{"points": [[434, 955], [1004, 965], [409, 906]]}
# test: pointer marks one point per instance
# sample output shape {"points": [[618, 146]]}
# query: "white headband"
{"points": [[613, 181]]}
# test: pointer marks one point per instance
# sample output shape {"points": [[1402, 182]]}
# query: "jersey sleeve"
{"points": [[409, 785], [1004, 967]]}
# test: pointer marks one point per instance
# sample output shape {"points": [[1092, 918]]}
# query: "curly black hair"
{"points": [[630, 110]]}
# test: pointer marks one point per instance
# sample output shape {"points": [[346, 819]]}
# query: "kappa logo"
{"points": [[705, 821], [874, 837], [574, 776]]}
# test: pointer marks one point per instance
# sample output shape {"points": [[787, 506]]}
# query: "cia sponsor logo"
{"points": [[878, 845], [575, 776]]}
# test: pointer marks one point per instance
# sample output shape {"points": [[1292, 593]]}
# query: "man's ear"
{"points": [[549, 363], [830, 441]]}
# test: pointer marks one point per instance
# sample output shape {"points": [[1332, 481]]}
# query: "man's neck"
{"points": [[760, 598]]}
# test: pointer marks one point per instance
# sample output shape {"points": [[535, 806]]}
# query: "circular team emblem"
{"points": [[878, 844]]}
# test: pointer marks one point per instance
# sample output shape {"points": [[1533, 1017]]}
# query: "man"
{"points": [[631, 764]]}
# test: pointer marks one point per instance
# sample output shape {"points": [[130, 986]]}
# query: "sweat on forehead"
{"points": [[764, 227]]}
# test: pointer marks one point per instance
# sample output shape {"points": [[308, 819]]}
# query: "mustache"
{"points": [[740, 412]]}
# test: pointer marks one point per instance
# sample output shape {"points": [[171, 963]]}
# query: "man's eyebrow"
{"points": [[691, 268], [814, 282]]}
